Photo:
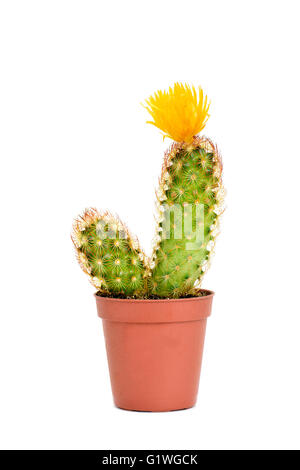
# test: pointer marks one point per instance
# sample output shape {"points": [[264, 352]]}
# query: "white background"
{"points": [[73, 135]]}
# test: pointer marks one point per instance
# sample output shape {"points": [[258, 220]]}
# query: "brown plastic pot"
{"points": [[154, 350]]}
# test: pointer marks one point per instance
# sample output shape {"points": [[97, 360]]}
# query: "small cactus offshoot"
{"points": [[109, 255], [189, 203]]}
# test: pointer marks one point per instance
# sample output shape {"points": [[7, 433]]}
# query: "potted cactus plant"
{"points": [[153, 310]]}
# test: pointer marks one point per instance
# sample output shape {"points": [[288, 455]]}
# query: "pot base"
{"points": [[154, 350], [160, 410]]}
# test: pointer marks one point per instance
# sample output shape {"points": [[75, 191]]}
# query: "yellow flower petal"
{"points": [[181, 112]]}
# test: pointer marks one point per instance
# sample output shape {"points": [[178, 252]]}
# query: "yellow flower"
{"points": [[181, 112]]}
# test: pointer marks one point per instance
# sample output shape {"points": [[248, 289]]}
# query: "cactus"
{"points": [[189, 201], [190, 193], [108, 253], [187, 223]]}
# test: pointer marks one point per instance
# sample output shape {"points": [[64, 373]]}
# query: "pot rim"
{"points": [[210, 293], [154, 310]]}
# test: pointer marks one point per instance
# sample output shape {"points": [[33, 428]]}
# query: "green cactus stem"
{"points": [[189, 200], [109, 255]]}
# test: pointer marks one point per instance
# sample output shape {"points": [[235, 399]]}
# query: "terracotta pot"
{"points": [[154, 350]]}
